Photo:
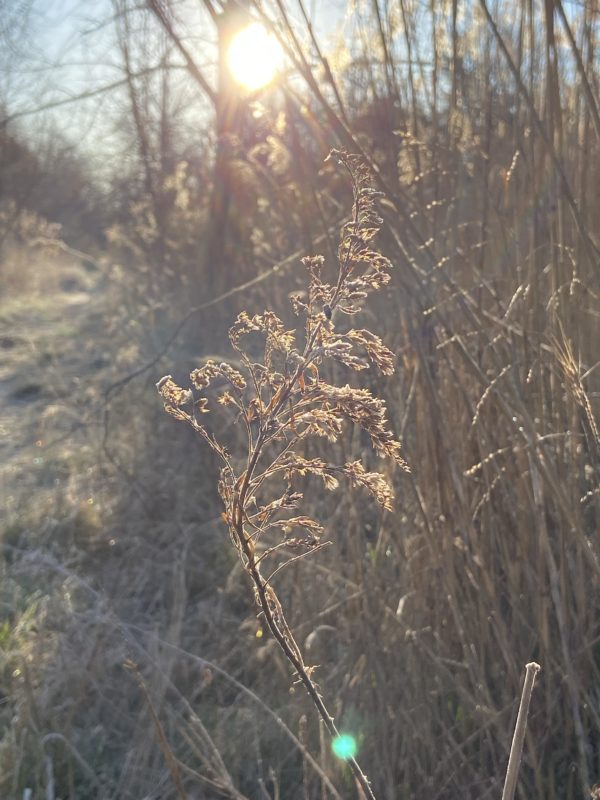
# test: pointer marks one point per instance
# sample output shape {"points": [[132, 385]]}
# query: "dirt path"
{"points": [[44, 351]]}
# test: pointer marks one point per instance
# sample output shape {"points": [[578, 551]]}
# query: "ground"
{"points": [[47, 351]]}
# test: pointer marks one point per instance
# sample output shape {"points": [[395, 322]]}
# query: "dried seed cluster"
{"points": [[287, 401], [281, 400]]}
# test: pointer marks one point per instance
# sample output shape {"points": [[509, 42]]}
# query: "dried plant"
{"points": [[516, 749], [282, 400]]}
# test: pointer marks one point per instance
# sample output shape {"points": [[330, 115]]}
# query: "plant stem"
{"points": [[279, 627], [516, 749]]}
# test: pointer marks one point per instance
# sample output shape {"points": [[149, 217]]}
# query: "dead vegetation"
{"points": [[479, 124]]}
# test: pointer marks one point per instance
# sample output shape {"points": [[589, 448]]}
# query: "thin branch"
{"points": [[109, 87], [156, 8], [296, 558]]}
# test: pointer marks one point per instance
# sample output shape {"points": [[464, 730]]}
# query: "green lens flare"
{"points": [[344, 746]]}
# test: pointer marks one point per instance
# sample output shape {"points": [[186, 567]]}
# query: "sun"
{"points": [[254, 57]]}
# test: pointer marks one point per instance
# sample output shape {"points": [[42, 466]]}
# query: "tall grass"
{"points": [[487, 158]]}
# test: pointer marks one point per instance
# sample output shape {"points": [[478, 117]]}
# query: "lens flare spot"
{"points": [[344, 746]]}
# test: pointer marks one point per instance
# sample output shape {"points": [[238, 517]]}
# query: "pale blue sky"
{"points": [[64, 48]]}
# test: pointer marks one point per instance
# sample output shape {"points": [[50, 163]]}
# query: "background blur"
{"points": [[146, 197]]}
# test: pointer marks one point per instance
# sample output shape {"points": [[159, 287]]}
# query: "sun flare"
{"points": [[254, 57]]}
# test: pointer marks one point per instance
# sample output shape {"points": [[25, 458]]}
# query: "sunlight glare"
{"points": [[344, 746], [254, 57]]}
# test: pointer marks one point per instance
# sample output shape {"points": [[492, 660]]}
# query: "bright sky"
{"points": [[60, 49]]}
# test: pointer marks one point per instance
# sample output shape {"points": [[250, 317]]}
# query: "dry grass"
{"points": [[420, 619]]}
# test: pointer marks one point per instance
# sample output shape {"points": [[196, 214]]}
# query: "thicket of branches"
{"points": [[481, 126]]}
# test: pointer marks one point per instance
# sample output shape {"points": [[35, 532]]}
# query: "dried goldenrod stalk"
{"points": [[281, 400]]}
